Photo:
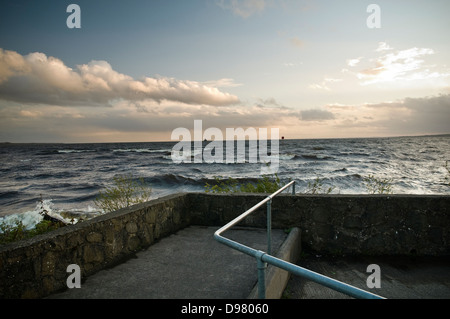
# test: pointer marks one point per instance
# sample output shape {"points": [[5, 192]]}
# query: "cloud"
{"points": [[269, 102], [353, 62], [11, 63], [36, 78], [400, 66], [426, 115], [243, 8], [297, 42], [128, 121], [222, 83], [383, 46], [324, 85], [316, 115], [387, 68], [150, 120]]}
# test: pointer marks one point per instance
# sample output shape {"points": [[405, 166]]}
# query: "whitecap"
{"points": [[31, 218]]}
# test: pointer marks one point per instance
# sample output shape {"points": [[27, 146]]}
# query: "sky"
{"points": [[137, 70]]}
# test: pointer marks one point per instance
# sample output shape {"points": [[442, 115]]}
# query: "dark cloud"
{"points": [[316, 115], [409, 116]]}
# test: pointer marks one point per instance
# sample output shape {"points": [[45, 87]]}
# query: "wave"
{"points": [[30, 170], [172, 179], [56, 175], [349, 153], [75, 151], [47, 152], [179, 180], [183, 156], [8, 194], [287, 156], [31, 218], [140, 150], [188, 157], [316, 157]]}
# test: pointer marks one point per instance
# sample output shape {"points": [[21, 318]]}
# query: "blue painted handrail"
{"points": [[264, 258]]}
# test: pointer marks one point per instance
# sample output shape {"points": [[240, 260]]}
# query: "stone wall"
{"points": [[329, 224], [37, 267], [344, 224]]}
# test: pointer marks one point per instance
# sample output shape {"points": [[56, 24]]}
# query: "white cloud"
{"points": [[11, 63], [353, 62], [400, 66], [222, 83], [36, 78], [414, 68], [383, 46], [324, 85]]}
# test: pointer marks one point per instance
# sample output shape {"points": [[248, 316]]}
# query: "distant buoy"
{"points": [[282, 137]]}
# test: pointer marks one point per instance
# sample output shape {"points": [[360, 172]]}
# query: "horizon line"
{"points": [[224, 140]]}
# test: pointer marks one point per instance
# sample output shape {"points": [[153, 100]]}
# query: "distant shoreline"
{"points": [[286, 139]]}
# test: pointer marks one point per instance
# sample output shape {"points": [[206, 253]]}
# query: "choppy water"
{"points": [[69, 176]]}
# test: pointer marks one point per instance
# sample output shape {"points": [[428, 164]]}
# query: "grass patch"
{"points": [[266, 184], [124, 192], [17, 231]]}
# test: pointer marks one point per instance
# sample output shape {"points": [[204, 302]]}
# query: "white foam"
{"points": [[31, 218], [75, 151], [286, 156], [28, 219], [140, 150]]}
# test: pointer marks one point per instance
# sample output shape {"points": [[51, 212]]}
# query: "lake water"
{"points": [[68, 177]]}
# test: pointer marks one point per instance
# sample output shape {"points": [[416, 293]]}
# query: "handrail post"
{"points": [[261, 275], [269, 227], [293, 188]]}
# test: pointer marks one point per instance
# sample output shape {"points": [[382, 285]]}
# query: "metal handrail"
{"points": [[264, 258]]}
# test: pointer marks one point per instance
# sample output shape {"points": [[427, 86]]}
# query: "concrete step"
{"points": [[401, 277]]}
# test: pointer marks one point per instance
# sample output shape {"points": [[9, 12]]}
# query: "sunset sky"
{"points": [[136, 70]]}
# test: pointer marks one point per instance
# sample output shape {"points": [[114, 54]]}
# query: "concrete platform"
{"points": [[189, 264], [400, 277]]}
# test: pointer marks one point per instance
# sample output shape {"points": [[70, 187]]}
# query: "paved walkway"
{"points": [[189, 264]]}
